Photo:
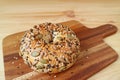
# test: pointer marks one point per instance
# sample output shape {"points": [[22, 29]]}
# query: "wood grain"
{"points": [[97, 55]]}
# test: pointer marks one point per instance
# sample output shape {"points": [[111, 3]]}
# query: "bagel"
{"points": [[49, 48]]}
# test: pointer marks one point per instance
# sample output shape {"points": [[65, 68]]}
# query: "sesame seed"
{"points": [[20, 64], [13, 62], [55, 76], [87, 57], [15, 57], [31, 74]]}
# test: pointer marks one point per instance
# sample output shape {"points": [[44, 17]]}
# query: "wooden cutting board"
{"points": [[96, 55]]}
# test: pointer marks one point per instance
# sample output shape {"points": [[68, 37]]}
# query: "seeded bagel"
{"points": [[49, 48]]}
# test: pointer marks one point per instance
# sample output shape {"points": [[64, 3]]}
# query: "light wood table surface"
{"points": [[19, 16]]}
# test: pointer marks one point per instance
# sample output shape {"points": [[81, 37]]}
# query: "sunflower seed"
{"points": [[35, 54]]}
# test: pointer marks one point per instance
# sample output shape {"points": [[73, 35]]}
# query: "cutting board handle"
{"points": [[103, 30], [106, 29], [92, 36]]}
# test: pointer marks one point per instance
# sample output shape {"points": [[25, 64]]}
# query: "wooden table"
{"points": [[19, 16]]}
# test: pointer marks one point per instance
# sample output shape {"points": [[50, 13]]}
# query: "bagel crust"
{"points": [[49, 48]]}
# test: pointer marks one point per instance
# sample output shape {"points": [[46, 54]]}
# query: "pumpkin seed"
{"points": [[44, 61], [39, 66], [39, 36], [62, 68], [47, 40], [47, 37], [69, 36], [35, 54]]}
